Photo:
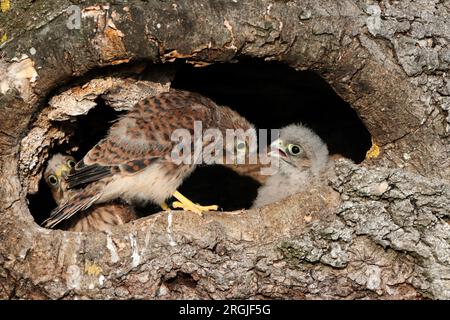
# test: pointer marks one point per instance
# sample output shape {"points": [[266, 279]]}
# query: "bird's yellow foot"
{"points": [[164, 206], [194, 207], [187, 205]]}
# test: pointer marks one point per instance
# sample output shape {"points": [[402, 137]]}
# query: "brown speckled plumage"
{"points": [[133, 161], [99, 217]]}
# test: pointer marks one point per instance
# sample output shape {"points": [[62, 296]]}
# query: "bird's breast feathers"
{"points": [[155, 183]]}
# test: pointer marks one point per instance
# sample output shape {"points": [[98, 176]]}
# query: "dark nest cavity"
{"points": [[268, 94]]}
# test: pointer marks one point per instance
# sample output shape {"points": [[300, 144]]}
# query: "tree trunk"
{"points": [[379, 230]]}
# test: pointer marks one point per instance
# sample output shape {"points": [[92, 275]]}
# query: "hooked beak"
{"points": [[62, 171], [278, 150]]}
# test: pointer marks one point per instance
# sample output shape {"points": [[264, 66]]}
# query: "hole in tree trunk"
{"points": [[270, 95], [273, 95]]}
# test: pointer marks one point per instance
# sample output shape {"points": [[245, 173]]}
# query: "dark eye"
{"points": [[52, 180], [294, 149], [71, 163]]}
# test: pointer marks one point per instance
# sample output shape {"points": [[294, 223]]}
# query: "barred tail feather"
{"points": [[87, 174], [75, 204]]}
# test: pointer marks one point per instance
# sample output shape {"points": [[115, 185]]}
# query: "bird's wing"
{"points": [[142, 136], [79, 201]]}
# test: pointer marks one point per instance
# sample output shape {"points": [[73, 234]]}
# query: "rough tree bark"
{"points": [[380, 230]]}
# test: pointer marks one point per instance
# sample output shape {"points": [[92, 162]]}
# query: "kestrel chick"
{"points": [[97, 218], [134, 161], [303, 157]]}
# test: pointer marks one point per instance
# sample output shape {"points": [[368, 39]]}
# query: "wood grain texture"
{"points": [[382, 230]]}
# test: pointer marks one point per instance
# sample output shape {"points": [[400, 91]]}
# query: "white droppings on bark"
{"points": [[172, 241], [73, 277], [136, 258], [112, 249], [101, 280]]}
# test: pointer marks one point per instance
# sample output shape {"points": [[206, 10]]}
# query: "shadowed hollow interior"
{"points": [[268, 94]]}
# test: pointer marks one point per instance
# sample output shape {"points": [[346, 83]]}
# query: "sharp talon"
{"points": [[187, 205]]}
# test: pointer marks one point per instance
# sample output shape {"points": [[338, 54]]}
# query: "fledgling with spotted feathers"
{"points": [[133, 162], [101, 217], [303, 158]]}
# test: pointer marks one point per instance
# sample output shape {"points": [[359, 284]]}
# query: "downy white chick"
{"points": [[302, 155]]}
